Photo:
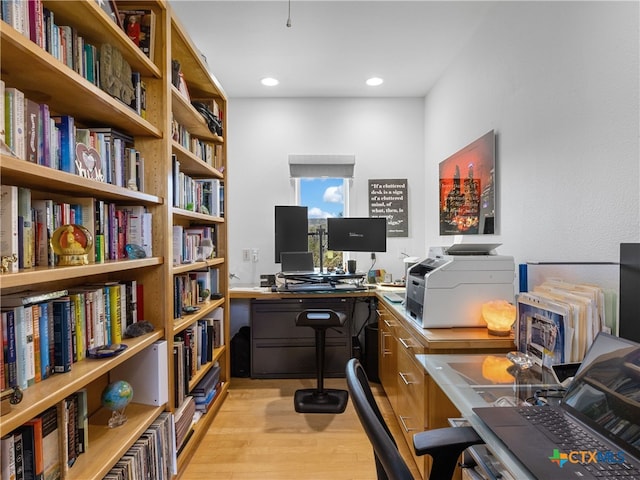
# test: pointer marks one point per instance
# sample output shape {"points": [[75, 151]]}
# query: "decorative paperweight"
{"points": [[115, 397], [72, 244]]}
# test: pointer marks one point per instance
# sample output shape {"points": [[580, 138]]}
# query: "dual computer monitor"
{"points": [[345, 234]]}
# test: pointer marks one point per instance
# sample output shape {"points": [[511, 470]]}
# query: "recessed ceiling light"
{"points": [[374, 81], [269, 82]]}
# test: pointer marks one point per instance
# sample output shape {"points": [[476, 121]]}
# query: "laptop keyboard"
{"points": [[569, 436]]}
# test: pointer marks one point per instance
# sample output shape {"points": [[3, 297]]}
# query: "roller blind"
{"points": [[310, 166]]}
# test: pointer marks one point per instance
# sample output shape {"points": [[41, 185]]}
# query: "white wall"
{"points": [[385, 135], [558, 82]]}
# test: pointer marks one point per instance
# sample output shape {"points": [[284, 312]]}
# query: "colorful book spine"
{"points": [[37, 359], [46, 136], [9, 225], [8, 457], [21, 347], [45, 363], [115, 309], [66, 127], [63, 350], [78, 305], [14, 121], [29, 344], [9, 326], [32, 130]]}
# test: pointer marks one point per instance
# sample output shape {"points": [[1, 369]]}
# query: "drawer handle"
{"points": [[385, 350], [404, 343], [403, 376], [404, 425], [388, 323]]}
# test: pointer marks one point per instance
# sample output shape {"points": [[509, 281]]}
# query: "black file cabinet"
{"points": [[280, 349]]}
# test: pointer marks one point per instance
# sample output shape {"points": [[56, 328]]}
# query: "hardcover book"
{"points": [[63, 351], [32, 131], [50, 445], [9, 225]]}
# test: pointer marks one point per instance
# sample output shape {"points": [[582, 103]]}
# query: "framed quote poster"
{"points": [[388, 199]]}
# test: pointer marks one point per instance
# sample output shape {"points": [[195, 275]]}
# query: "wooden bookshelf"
{"points": [[44, 79], [202, 85]]}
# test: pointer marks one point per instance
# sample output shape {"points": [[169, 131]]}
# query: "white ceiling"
{"points": [[332, 46]]}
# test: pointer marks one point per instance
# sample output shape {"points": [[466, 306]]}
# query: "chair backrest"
{"points": [[389, 463]]}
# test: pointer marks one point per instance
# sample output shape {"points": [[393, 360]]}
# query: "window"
{"points": [[324, 197]]}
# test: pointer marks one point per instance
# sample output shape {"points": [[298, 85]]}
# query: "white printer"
{"points": [[448, 288]]}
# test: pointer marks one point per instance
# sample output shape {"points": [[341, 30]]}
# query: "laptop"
{"points": [[296, 263], [602, 401]]}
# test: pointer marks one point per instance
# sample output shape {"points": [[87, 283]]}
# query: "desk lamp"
{"points": [[499, 316]]}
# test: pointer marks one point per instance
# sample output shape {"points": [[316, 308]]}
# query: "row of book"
{"points": [[189, 243], [45, 333], [193, 288], [57, 141], [197, 195], [27, 224], [48, 445], [63, 42], [193, 348], [206, 390], [207, 152], [152, 456], [37, 23]]}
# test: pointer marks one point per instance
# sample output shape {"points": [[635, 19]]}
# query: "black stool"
{"points": [[319, 399]]}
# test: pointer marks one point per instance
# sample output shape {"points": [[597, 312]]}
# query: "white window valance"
{"points": [[312, 166]]}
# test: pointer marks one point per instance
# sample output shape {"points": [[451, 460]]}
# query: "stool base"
{"points": [[310, 400]]}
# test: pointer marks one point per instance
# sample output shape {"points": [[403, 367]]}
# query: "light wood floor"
{"points": [[258, 435]]}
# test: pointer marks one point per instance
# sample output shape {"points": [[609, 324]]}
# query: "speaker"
{"points": [[291, 229], [629, 288]]}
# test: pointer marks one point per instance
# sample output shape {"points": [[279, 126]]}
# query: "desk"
{"points": [[477, 381], [280, 349]]}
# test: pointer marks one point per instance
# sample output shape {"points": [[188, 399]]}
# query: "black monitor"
{"points": [[291, 230], [357, 234]]}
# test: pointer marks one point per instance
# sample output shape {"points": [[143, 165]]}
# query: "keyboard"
{"points": [[571, 437], [307, 287]]}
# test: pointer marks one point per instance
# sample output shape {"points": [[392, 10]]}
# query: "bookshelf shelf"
{"points": [[30, 175], [103, 29], [189, 117], [40, 275], [206, 308], [192, 165], [102, 440], [50, 81], [54, 389], [188, 267], [195, 216]]}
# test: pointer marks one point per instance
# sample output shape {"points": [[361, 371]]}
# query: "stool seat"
{"points": [[319, 399], [320, 317]]}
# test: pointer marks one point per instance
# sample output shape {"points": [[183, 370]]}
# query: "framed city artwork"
{"points": [[467, 189]]}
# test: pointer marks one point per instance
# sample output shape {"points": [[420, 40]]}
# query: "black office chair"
{"points": [[320, 399], [445, 445]]}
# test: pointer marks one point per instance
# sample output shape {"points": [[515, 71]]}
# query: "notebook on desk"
{"points": [[594, 431]]}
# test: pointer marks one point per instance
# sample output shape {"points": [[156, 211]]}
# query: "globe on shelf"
{"points": [[72, 243], [115, 397]]}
